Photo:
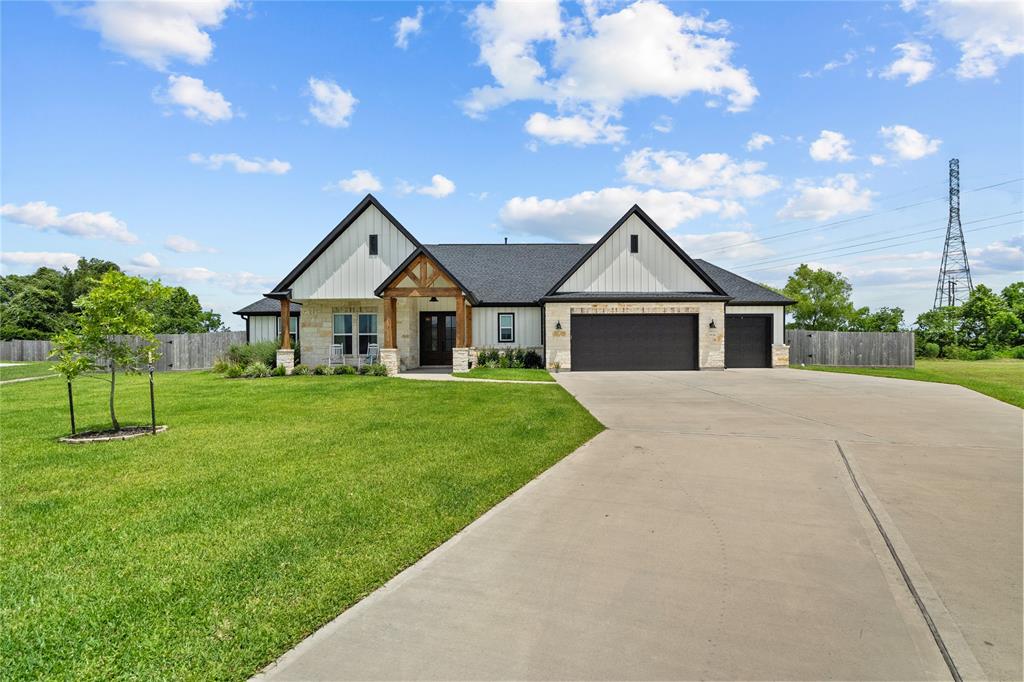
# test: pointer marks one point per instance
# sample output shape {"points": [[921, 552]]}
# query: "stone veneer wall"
{"points": [[780, 355], [711, 342]]}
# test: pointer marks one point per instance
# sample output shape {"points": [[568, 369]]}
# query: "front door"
{"points": [[437, 337]]}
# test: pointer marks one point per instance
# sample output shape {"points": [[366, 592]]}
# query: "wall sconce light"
{"points": [[558, 325], [433, 299], [712, 325]]}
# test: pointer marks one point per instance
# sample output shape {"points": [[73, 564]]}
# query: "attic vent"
{"points": [[373, 245], [634, 243]]}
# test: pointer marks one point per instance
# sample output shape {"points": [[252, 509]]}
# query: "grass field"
{"points": [[266, 509], [23, 370], [506, 374], [1002, 379]]}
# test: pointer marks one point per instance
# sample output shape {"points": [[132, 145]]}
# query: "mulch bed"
{"points": [[104, 436]]}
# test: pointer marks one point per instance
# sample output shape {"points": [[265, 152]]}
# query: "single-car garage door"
{"points": [[748, 340], [633, 342]]}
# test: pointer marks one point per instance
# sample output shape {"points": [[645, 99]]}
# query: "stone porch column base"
{"points": [[460, 359], [286, 359], [780, 355], [389, 358]]}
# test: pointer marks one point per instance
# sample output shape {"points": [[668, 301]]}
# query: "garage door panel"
{"points": [[634, 342], [748, 340]]}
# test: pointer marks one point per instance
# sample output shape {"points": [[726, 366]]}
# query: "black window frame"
{"points": [[374, 245], [634, 243], [513, 327]]}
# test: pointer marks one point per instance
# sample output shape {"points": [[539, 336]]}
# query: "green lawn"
{"points": [[266, 509], [23, 370], [1002, 379], [506, 374]]}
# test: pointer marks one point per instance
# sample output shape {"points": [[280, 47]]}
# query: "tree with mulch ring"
{"points": [[112, 332]]}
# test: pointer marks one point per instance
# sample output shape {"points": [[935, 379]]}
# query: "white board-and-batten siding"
{"points": [[346, 269], [528, 331], [655, 267], [262, 328], [776, 311]]}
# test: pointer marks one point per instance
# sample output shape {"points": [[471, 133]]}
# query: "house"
{"points": [[263, 320], [633, 301]]}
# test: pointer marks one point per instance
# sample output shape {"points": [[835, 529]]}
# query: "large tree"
{"points": [[885, 319], [179, 312], [822, 300]]}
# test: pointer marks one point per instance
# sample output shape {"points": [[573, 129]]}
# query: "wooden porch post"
{"points": [[460, 320], [469, 327], [390, 322], [286, 324]]}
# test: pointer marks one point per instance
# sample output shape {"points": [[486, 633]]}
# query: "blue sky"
{"points": [[213, 144]]}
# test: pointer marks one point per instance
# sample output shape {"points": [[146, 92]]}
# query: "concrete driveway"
{"points": [[747, 524]]}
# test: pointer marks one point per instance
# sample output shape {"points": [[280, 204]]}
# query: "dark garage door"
{"points": [[748, 340], [631, 342]]}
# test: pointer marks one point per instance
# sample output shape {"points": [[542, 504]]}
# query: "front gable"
{"points": [[658, 265], [341, 266]]}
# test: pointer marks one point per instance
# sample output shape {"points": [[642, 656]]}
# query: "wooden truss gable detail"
{"points": [[420, 278]]}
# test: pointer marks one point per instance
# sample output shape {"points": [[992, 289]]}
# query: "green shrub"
{"points": [[233, 371], [301, 370], [344, 369], [961, 353], [220, 366], [279, 371], [928, 350], [375, 370], [512, 358], [255, 370], [322, 370], [532, 360], [247, 353], [1016, 352], [486, 356]]}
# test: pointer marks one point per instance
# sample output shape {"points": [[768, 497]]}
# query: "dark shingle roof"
{"points": [[742, 290], [267, 306], [508, 273]]}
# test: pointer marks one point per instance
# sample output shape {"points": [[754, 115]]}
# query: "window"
{"points": [[343, 332], [634, 243], [506, 327], [367, 331], [373, 245], [293, 324]]}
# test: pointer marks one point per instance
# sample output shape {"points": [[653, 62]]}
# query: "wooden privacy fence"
{"points": [[850, 349], [177, 351]]}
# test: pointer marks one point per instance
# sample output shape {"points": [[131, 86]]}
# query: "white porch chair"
{"points": [[336, 356], [372, 356]]}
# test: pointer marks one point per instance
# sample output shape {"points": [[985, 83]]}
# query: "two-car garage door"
{"points": [[633, 342]]}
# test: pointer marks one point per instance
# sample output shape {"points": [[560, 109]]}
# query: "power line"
{"points": [[888, 246], [846, 221], [863, 236]]}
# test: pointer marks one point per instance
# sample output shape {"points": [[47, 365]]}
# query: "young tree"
{"points": [[822, 300], [118, 306], [938, 326], [69, 364]]}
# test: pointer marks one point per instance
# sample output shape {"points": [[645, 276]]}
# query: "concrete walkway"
{"points": [[772, 524], [445, 374]]}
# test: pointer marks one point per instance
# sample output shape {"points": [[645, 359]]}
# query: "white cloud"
{"points": [[848, 58], [146, 260], [575, 130], [42, 216], [439, 187], [731, 244], [408, 26], [39, 259], [154, 33], [361, 182], [331, 105], [877, 160], [197, 101], [179, 244], [836, 196], [1006, 255], [599, 61], [759, 141], [242, 165], [988, 34], [712, 174], [915, 63], [587, 215], [663, 124], [831, 146], [907, 143]]}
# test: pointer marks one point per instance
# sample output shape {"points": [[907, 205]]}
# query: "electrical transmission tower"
{"points": [[955, 274]]}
